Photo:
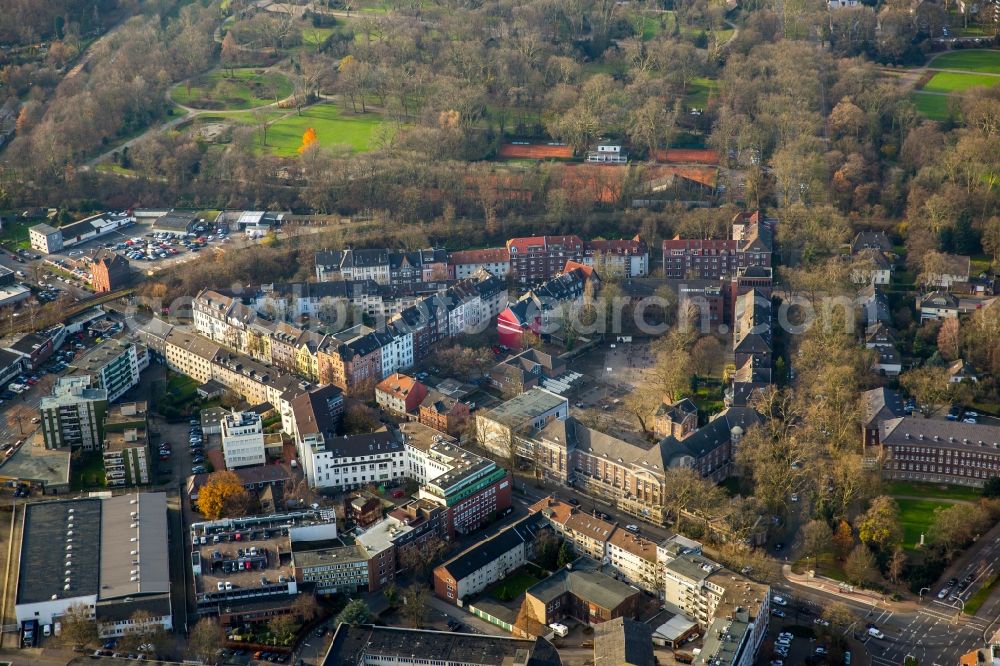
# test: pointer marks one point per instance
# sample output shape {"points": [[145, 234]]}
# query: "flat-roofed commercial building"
{"points": [[110, 554]]}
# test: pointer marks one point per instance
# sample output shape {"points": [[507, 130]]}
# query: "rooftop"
{"points": [[522, 409], [329, 556], [623, 641], [101, 355], [134, 552], [359, 644], [125, 412], [354, 446], [397, 384], [61, 542], [481, 554], [126, 439], [588, 586], [71, 390], [382, 534], [692, 567], [941, 434]]}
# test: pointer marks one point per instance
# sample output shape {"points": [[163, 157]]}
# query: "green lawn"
{"points": [[315, 36], [932, 491], [513, 585], [246, 89], [333, 127], [980, 597], [951, 82], [15, 232], [88, 472], [699, 90], [916, 517], [972, 61], [824, 565], [934, 107]]}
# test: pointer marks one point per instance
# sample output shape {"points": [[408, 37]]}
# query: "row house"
{"points": [[465, 264], [620, 258], [386, 267], [750, 244], [541, 310], [535, 259], [637, 559], [488, 561]]}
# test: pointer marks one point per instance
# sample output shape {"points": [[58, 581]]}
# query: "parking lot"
{"points": [[244, 559]]}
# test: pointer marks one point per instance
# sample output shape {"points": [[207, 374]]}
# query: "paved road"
{"points": [[929, 632]]}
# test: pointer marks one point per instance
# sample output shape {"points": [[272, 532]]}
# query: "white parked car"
{"points": [[875, 633], [779, 600]]}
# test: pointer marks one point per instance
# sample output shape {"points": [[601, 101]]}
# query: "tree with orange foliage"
{"points": [[308, 139]]}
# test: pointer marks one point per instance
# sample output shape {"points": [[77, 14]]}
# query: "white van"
{"points": [[57, 628], [47, 630], [560, 629]]}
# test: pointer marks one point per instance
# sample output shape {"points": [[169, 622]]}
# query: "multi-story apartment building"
{"points": [[462, 265], [541, 310], [352, 461], [538, 258], [734, 609], [444, 413], [636, 559], [618, 258], [317, 411], [400, 536], [714, 259], [126, 458], [387, 267], [73, 416], [113, 365], [400, 394], [126, 445], [190, 354], [488, 561], [935, 451], [243, 440]]}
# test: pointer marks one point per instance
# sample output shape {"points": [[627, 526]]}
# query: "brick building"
{"points": [[109, 271], [537, 258]]}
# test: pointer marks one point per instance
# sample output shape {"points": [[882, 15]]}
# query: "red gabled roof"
{"points": [[587, 271], [526, 242]]}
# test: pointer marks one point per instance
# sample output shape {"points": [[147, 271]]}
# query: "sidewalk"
{"points": [[830, 586]]}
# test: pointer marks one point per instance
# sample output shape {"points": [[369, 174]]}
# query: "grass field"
{"points": [[980, 597], [699, 90], [934, 107], [15, 232], [513, 585], [916, 517], [246, 89], [932, 491], [971, 61], [333, 127], [952, 82]]}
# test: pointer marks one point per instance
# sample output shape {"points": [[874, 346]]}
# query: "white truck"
{"points": [[560, 630]]}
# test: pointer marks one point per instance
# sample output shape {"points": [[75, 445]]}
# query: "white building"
{"points": [[352, 462], [243, 440], [110, 555], [466, 264]]}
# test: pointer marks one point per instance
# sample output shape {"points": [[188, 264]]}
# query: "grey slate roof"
{"points": [[623, 642], [589, 586], [881, 404], [937, 433], [478, 556], [355, 644], [371, 444], [710, 436]]}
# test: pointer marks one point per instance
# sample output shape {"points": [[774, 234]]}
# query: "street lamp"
{"points": [[921, 593]]}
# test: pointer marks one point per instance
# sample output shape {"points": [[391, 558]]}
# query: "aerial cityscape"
{"points": [[482, 333]]}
